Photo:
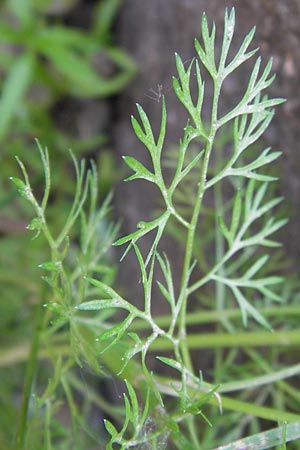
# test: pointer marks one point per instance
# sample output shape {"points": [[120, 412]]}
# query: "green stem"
{"points": [[268, 439], [236, 340], [201, 316], [29, 376], [73, 410], [182, 301], [20, 353], [188, 260], [256, 410], [193, 227]]}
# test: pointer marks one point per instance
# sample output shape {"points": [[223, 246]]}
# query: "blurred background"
{"points": [[71, 72]]}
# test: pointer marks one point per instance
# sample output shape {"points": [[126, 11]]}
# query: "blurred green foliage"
{"points": [[45, 61], [42, 60], [53, 53]]}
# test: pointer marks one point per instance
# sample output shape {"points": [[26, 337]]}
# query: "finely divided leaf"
{"points": [[139, 169], [96, 305]]}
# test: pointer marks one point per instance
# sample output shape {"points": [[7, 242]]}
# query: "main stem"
{"points": [[193, 227]]}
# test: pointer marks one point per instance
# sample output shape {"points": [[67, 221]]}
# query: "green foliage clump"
{"points": [[43, 60], [173, 404], [47, 63]]}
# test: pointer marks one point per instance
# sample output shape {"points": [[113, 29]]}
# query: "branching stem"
{"points": [[193, 226]]}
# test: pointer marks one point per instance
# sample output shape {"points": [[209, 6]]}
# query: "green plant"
{"points": [[43, 60], [40, 48], [180, 407], [77, 250], [47, 63]]}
